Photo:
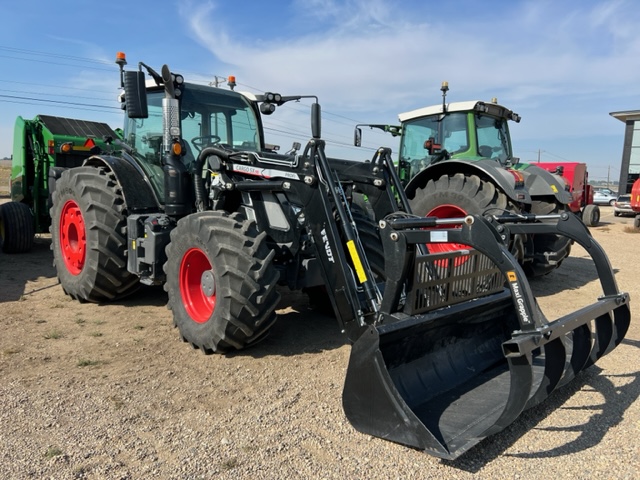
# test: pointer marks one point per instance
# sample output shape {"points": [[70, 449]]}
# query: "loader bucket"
{"points": [[442, 377]]}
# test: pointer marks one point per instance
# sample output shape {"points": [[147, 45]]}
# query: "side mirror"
{"points": [[315, 120], [135, 94], [357, 137], [267, 108]]}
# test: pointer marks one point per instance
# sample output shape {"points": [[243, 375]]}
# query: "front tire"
{"points": [[88, 233], [221, 281]]}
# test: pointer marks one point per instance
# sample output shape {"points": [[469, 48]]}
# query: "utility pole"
{"points": [[217, 81]]}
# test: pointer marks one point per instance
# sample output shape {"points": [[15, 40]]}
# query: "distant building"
{"points": [[630, 166]]}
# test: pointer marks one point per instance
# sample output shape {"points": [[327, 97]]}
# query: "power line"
{"points": [[55, 63], [292, 132], [57, 94], [57, 87], [20, 102], [54, 55], [13, 97]]}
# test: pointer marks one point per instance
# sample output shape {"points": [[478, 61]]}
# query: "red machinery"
{"points": [[635, 202], [577, 179]]}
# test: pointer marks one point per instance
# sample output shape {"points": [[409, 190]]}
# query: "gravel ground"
{"points": [[109, 391]]}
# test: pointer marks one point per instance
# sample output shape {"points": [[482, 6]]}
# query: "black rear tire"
{"points": [[221, 281], [16, 227], [466, 192], [88, 233]]}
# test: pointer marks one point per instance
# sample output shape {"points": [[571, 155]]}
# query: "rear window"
{"points": [[624, 198]]}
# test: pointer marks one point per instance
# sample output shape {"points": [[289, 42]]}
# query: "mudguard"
{"points": [[541, 183], [136, 188], [490, 169]]}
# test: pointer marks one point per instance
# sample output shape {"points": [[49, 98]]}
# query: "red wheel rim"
{"points": [[447, 211], [196, 287], [73, 239]]}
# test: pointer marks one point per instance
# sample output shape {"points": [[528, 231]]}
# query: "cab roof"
{"points": [[471, 105]]}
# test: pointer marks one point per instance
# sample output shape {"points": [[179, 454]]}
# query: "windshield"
{"points": [[208, 116], [451, 131], [493, 138]]}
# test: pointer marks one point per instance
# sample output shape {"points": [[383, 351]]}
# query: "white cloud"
{"points": [[374, 59], [351, 64]]}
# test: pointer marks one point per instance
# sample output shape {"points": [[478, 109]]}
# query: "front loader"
{"points": [[448, 348]]}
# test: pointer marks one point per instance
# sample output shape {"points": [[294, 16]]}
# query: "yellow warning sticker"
{"points": [[362, 277], [554, 188], [511, 276]]}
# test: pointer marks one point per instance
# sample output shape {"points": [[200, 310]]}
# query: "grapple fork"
{"points": [[460, 347]]}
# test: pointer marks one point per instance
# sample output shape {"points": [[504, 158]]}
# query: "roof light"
{"points": [[121, 58], [231, 81]]}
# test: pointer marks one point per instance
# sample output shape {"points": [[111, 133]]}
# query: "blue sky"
{"points": [[562, 65]]}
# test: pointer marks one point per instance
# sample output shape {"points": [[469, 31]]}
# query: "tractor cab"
{"points": [[207, 117], [463, 130]]}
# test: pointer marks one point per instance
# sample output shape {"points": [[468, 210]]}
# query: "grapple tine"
{"points": [[602, 339], [579, 343], [609, 332], [554, 358], [621, 321], [521, 381]]}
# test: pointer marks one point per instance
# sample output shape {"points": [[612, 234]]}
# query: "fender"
{"points": [[485, 169], [542, 183], [136, 188]]}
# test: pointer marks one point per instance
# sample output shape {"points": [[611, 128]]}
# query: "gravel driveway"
{"points": [[110, 392]]}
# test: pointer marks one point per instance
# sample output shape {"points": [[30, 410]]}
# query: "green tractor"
{"points": [[42, 149], [456, 159]]}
